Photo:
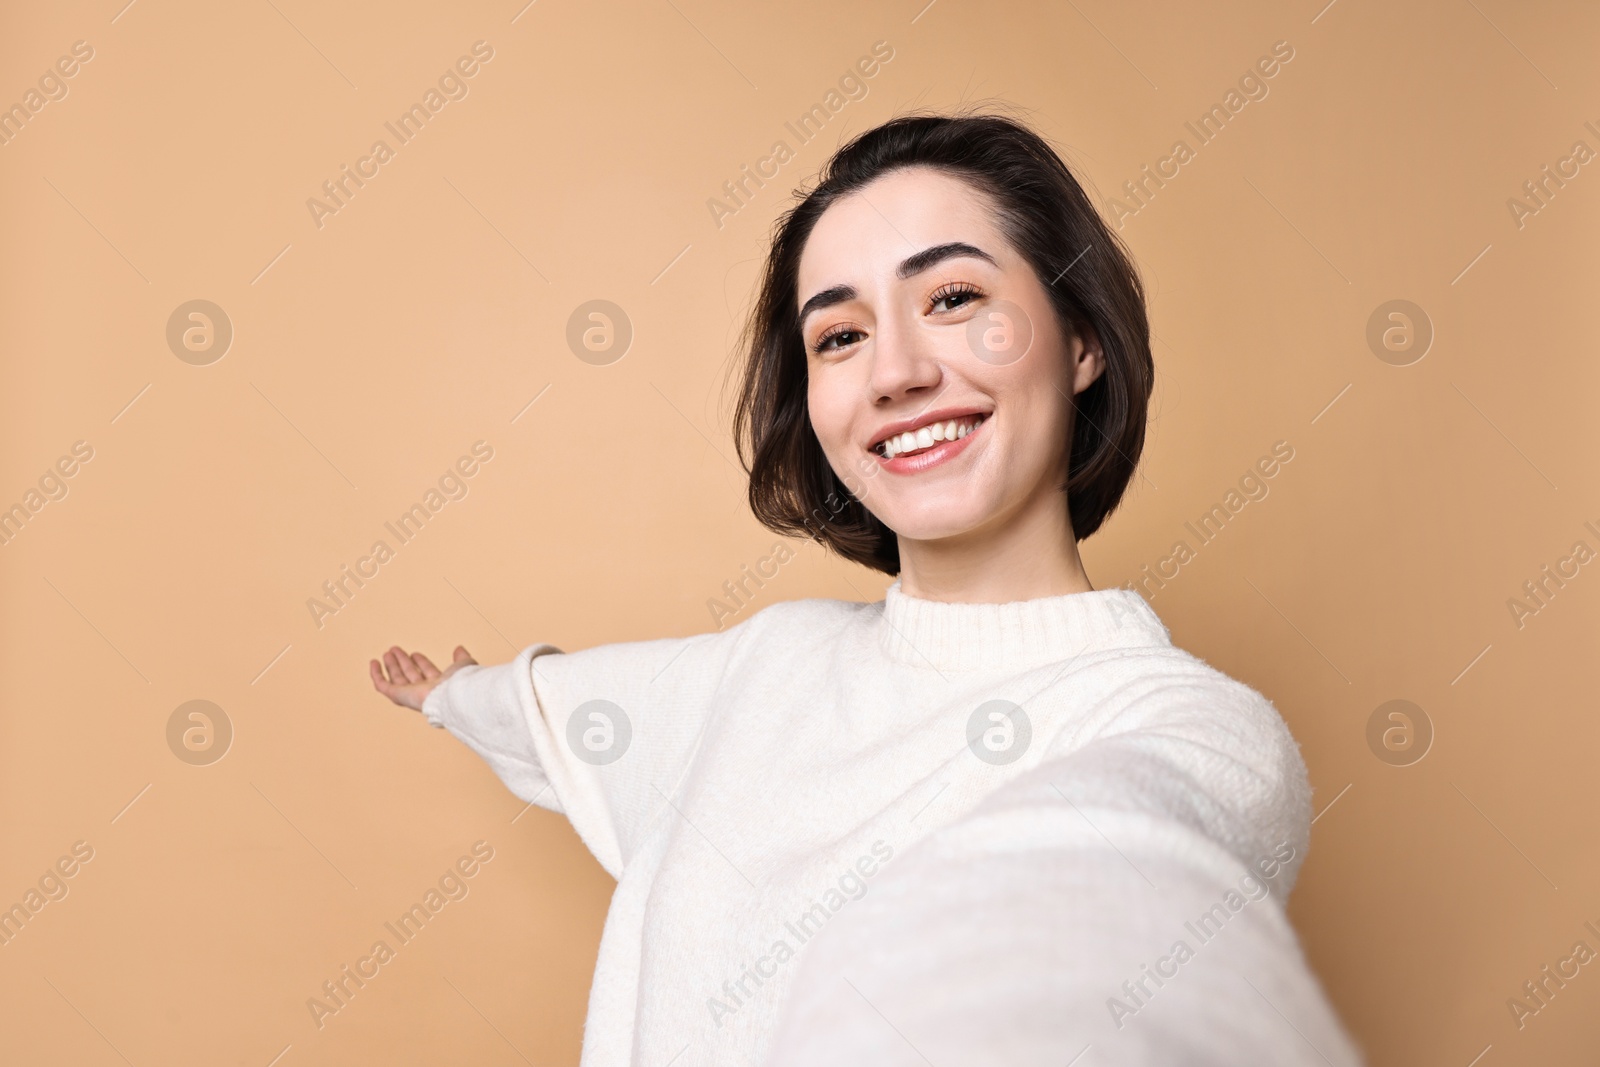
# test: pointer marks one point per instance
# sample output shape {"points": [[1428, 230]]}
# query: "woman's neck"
{"points": [[1020, 557]]}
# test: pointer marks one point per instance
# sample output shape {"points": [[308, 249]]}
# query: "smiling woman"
{"points": [[946, 379], [1008, 232]]}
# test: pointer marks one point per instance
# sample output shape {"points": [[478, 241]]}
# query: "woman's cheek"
{"points": [[829, 420]]}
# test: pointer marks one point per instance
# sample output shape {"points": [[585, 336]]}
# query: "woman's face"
{"points": [[938, 377]]}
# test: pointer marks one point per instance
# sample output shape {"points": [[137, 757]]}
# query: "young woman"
{"points": [[1016, 821]]}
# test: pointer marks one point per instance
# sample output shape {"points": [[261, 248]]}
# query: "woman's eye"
{"points": [[838, 339], [952, 300]]}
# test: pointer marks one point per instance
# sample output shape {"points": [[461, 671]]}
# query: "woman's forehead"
{"points": [[872, 230]]}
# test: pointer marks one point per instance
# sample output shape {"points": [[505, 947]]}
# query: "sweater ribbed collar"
{"points": [[1015, 635]]}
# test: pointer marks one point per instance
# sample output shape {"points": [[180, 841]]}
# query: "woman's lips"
{"points": [[943, 452]]}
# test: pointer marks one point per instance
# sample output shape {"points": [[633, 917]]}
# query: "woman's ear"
{"points": [[1086, 360]]}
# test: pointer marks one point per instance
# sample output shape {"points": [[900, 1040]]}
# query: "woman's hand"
{"points": [[412, 675]]}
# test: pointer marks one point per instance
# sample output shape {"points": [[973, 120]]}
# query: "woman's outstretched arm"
{"points": [[411, 676], [601, 735], [1123, 902]]}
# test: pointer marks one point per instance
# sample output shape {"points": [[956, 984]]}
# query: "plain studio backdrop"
{"points": [[1379, 257]]}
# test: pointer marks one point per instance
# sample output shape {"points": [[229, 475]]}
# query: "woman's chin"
{"points": [[943, 526]]}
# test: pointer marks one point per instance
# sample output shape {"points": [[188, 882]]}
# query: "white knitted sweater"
{"points": [[915, 832]]}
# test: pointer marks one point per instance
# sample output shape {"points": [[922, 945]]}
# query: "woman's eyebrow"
{"points": [[836, 294], [909, 267], [928, 257]]}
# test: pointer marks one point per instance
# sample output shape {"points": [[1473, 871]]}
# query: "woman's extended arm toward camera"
{"points": [[1126, 896]]}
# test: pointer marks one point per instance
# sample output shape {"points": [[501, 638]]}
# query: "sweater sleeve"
{"points": [[600, 735], [1125, 896]]}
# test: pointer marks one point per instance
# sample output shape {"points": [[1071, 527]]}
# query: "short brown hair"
{"points": [[1079, 260]]}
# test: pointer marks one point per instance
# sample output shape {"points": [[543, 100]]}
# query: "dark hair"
{"points": [[1080, 261]]}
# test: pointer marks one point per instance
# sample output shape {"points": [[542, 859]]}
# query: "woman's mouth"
{"points": [[915, 442], [930, 445]]}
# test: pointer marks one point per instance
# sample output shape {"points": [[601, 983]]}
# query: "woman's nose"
{"points": [[903, 362]]}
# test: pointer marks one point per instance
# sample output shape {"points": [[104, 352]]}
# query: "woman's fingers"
{"points": [[401, 667], [391, 662], [407, 677], [425, 665]]}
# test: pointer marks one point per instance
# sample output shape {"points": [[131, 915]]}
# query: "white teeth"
{"points": [[928, 436]]}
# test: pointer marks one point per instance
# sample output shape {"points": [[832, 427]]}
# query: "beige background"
{"points": [[427, 314]]}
